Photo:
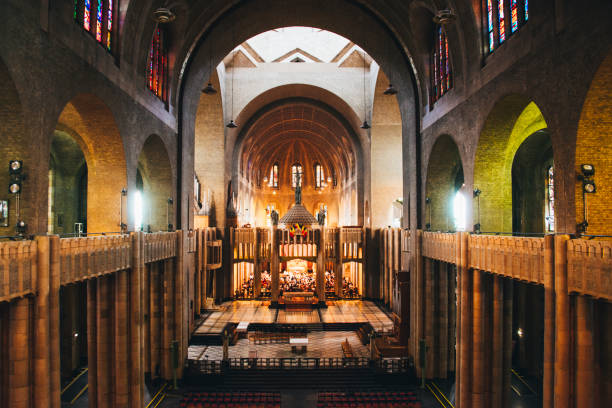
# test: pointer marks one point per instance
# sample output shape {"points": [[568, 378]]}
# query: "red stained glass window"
{"points": [[441, 72], [102, 25], [157, 73]]}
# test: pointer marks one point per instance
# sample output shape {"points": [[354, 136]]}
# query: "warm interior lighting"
{"points": [[459, 209], [138, 204], [519, 332]]}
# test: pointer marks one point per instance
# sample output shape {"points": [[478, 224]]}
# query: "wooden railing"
{"points": [[85, 258], [243, 244], [589, 267], [214, 259], [439, 245], [17, 269], [332, 236], [298, 245], [352, 244], [265, 245], [515, 257], [159, 246]]}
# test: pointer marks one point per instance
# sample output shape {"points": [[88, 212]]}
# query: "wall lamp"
{"points": [[428, 204], [588, 187], [477, 193], [14, 187]]}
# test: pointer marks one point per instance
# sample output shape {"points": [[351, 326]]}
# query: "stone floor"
{"points": [[257, 311], [320, 344]]}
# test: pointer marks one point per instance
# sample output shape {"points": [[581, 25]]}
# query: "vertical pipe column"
{"points": [[104, 332], [41, 349], [507, 323], [562, 325], [497, 380], [257, 266], [442, 317], [429, 316], [54, 320], [120, 352], [92, 344], [549, 322], [320, 277], [274, 265], [135, 367], [181, 311], [155, 327], [338, 274], [585, 359], [478, 349], [19, 378], [465, 345]]}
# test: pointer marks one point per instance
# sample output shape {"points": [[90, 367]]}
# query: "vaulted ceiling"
{"points": [[297, 132]]}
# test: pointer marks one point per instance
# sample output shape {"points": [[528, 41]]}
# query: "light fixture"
{"points": [[588, 170], [390, 90], [588, 186], [15, 167], [520, 332], [365, 125], [477, 195], [265, 179], [428, 204], [209, 89], [329, 179], [231, 124], [15, 187], [163, 15], [444, 17]]}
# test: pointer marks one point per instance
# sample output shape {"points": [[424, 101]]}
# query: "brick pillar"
{"points": [[54, 320], [464, 355], [120, 352], [19, 378], [497, 360], [478, 350], [585, 361], [549, 323], [41, 346], [507, 323], [274, 265], [562, 325], [92, 342], [136, 370]]}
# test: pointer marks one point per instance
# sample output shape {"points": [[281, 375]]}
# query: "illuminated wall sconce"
{"points": [[428, 207], [14, 187], [588, 187], [477, 196], [168, 213], [122, 210]]}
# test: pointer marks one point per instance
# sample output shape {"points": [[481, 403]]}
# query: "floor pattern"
{"points": [[320, 344]]}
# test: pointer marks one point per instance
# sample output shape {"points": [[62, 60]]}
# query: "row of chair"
{"points": [[372, 399], [231, 400]]}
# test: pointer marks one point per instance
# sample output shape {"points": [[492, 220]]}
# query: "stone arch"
{"points": [[593, 147], [15, 145], [512, 119], [93, 126], [444, 178], [157, 184], [386, 166]]}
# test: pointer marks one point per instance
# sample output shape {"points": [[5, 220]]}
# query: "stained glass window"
{"points": [[550, 200], [501, 21], [441, 67], [319, 176], [102, 25], [499, 15], [296, 172], [273, 182], [157, 71], [514, 15]]}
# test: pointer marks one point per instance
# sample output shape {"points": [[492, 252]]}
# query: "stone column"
{"points": [[104, 332], [19, 378], [120, 352], [54, 321], [585, 359], [339, 263], [478, 348], [507, 322], [92, 342], [320, 278], [257, 266], [181, 310], [549, 322], [497, 363], [41, 346], [562, 325], [155, 316], [442, 318], [465, 344], [274, 266], [429, 320], [136, 370]]}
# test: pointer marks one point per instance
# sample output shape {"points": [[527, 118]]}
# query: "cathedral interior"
{"points": [[306, 203]]}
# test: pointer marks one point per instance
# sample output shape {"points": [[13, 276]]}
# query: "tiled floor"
{"points": [[255, 311], [320, 344]]}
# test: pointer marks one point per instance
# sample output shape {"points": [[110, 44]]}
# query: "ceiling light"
{"points": [[444, 17], [231, 124], [209, 89], [365, 125], [163, 15], [390, 90]]}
